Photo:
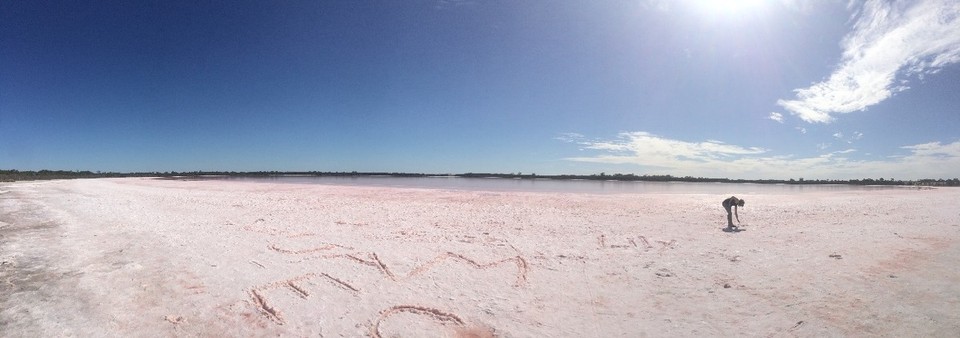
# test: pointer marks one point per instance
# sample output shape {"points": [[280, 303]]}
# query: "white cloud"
{"points": [[935, 149], [711, 158], [845, 151], [652, 150], [570, 137], [802, 130], [776, 117], [839, 136], [889, 39]]}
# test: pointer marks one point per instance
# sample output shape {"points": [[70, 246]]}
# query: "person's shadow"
{"points": [[733, 229]]}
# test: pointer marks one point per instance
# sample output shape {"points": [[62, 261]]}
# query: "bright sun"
{"points": [[728, 8]]}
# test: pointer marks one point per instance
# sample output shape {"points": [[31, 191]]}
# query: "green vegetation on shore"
{"points": [[18, 175]]}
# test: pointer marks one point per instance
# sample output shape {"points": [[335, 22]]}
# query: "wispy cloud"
{"points": [[890, 39], [652, 150], [776, 117], [802, 130], [659, 155], [934, 149], [839, 136], [569, 137]]}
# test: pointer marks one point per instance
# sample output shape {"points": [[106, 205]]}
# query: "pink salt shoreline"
{"points": [[120, 257]]}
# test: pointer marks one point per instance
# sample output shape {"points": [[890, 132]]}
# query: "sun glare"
{"points": [[728, 8]]}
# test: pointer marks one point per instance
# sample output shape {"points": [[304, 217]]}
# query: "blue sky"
{"points": [[740, 89]]}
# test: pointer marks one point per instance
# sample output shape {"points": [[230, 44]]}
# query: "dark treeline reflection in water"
{"points": [[551, 185]]}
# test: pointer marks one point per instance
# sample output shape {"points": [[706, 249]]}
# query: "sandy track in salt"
{"points": [[140, 257]]}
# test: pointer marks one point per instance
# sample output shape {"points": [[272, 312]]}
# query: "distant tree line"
{"points": [[669, 178], [18, 175], [27, 175]]}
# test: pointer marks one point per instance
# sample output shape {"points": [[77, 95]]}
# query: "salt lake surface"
{"points": [[561, 186]]}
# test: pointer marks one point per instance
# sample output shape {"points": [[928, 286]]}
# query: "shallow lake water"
{"points": [[562, 186]]}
